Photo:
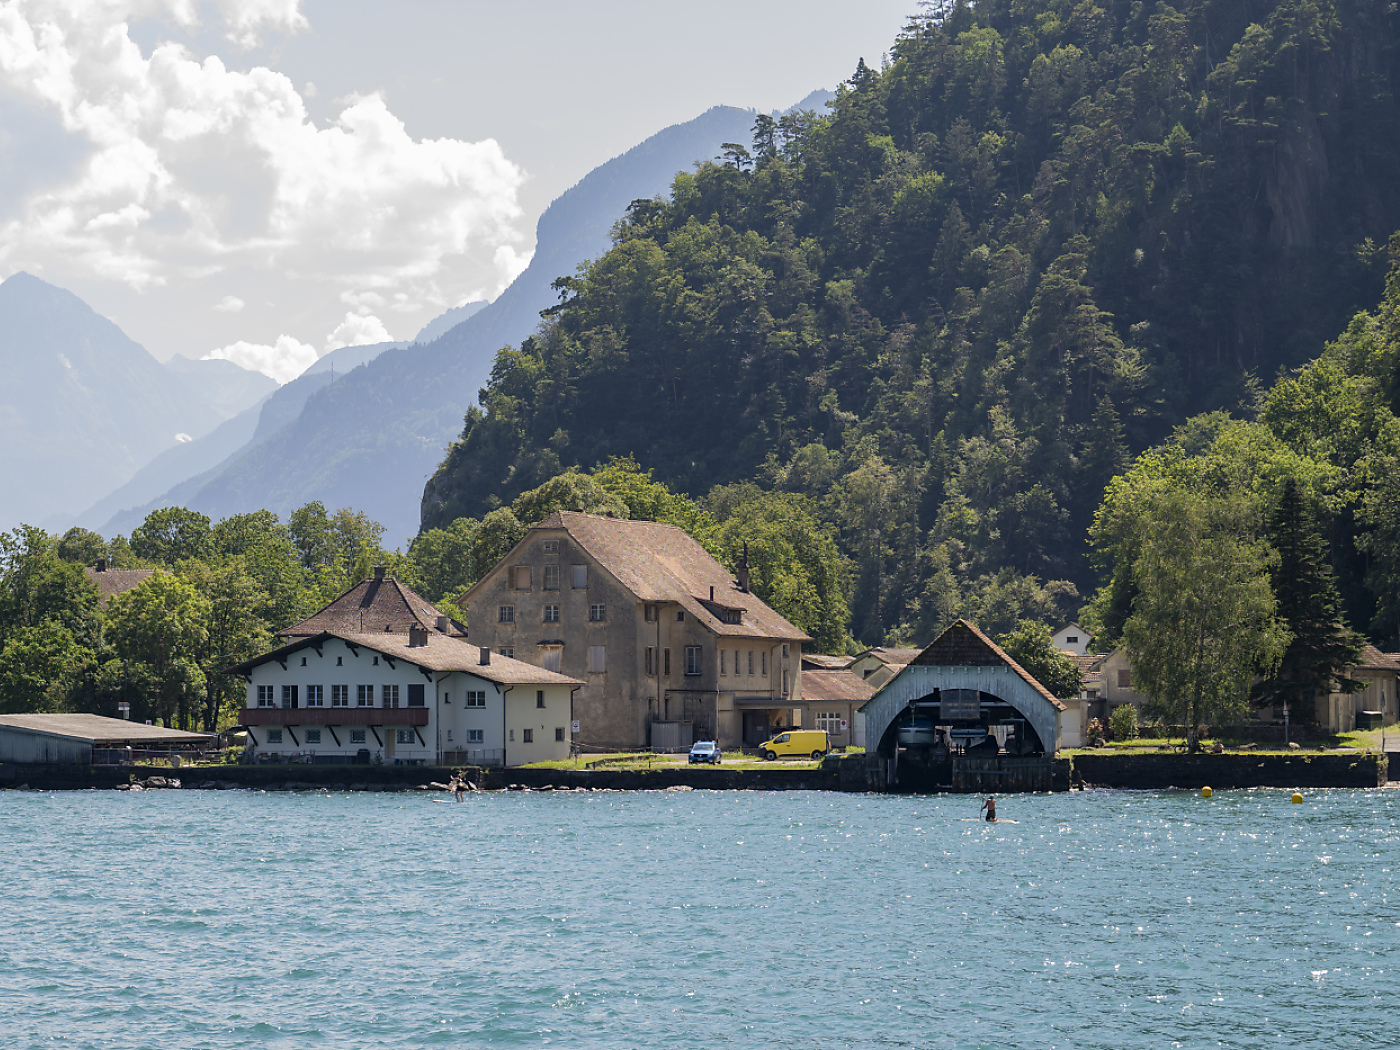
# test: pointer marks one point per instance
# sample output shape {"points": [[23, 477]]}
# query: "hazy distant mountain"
{"points": [[445, 322], [371, 440], [177, 474], [83, 406], [225, 387]]}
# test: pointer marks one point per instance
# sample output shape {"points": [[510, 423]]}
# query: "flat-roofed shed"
{"points": [[72, 738]]}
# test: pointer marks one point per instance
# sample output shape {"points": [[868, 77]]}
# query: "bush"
{"points": [[1095, 732], [1123, 722]]}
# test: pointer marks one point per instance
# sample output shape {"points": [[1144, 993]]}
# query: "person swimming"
{"points": [[990, 805]]}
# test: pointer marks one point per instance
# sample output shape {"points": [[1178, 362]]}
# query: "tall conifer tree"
{"points": [[1323, 647]]}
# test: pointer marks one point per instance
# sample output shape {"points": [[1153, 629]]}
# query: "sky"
{"points": [[268, 180]]}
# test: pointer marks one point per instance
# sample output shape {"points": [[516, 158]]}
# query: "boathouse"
{"points": [[961, 707], [85, 739]]}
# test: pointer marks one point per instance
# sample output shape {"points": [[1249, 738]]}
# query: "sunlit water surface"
{"points": [[1103, 919]]}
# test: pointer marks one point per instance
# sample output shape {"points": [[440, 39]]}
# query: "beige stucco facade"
{"points": [[643, 658]]}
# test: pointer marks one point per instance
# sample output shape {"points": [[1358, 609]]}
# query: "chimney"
{"points": [[379, 572], [712, 594], [101, 564], [443, 625], [743, 567], [124, 710], [485, 656], [417, 636]]}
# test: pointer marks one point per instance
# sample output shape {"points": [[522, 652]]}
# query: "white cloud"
{"points": [[229, 304], [510, 264], [283, 361], [194, 167], [358, 330]]}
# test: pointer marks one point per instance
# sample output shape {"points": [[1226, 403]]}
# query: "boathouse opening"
{"points": [[964, 715]]}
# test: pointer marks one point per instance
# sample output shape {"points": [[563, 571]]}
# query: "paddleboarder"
{"points": [[991, 807]]}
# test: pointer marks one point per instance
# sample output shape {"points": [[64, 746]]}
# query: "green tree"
{"points": [[568, 491], [170, 535], [444, 559], [82, 546], [1321, 647], [159, 629], [1032, 645], [233, 632], [40, 665], [1204, 620]]}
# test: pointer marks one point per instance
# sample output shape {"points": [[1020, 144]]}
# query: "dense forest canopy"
{"points": [[950, 310]]}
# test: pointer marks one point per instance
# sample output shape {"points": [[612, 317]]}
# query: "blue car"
{"points": [[705, 751]]}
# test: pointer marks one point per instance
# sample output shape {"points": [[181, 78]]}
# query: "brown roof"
{"points": [[1086, 662], [1375, 660], [101, 730], [110, 582], [374, 604], [442, 653], [832, 685], [964, 645], [891, 656], [824, 662], [663, 563]]}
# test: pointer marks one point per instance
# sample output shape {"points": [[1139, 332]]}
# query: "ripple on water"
{"points": [[1105, 919]]}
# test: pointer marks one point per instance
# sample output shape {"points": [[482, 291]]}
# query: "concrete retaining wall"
{"points": [[1230, 771]]}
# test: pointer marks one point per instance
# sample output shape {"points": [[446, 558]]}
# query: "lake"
{"points": [[662, 919]]}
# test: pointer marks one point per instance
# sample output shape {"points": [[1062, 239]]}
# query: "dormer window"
{"points": [[550, 547]]}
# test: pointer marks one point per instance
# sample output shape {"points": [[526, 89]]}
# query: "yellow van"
{"points": [[809, 743]]}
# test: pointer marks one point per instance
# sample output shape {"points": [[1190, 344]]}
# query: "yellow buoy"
{"points": [[1297, 798], [1206, 792]]}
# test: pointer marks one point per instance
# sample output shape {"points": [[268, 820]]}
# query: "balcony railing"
{"points": [[335, 716]]}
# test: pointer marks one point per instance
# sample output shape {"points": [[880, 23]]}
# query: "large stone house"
{"points": [[670, 646]]}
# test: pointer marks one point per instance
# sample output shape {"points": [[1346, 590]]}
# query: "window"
{"points": [[364, 696], [692, 659], [651, 660], [551, 656], [507, 614], [315, 696], [785, 681], [527, 736], [357, 736], [274, 736], [289, 696], [476, 698], [785, 651], [723, 661], [415, 694], [763, 658], [750, 661], [551, 546], [391, 696], [449, 736], [580, 577], [508, 651], [1071, 639], [597, 613], [558, 734], [551, 577], [666, 659], [522, 577], [731, 616], [551, 614], [313, 736], [650, 613], [597, 659], [340, 696], [264, 696], [829, 720], [510, 735], [476, 736], [680, 615], [1125, 679], [539, 698], [403, 736]]}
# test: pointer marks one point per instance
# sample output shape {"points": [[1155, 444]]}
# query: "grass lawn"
{"points": [[643, 760]]}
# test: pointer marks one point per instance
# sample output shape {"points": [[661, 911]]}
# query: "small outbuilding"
{"points": [[80, 739]]}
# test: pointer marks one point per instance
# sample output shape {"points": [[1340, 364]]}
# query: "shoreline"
{"points": [[856, 773]]}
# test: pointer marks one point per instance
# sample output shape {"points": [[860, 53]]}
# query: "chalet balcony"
{"points": [[335, 716]]}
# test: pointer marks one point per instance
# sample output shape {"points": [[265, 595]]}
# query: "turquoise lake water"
{"points": [[655, 919]]}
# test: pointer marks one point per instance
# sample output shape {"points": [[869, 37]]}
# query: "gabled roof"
{"points": [[824, 662], [964, 645], [1067, 626], [100, 730], [1372, 659], [442, 653], [110, 582], [889, 656], [835, 685], [374, 604], [663, 563]]}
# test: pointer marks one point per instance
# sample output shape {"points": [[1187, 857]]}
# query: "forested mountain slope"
{"points": [[950, 310]]}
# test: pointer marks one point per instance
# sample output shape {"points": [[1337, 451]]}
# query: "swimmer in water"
{"points": [[991, 807]]}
